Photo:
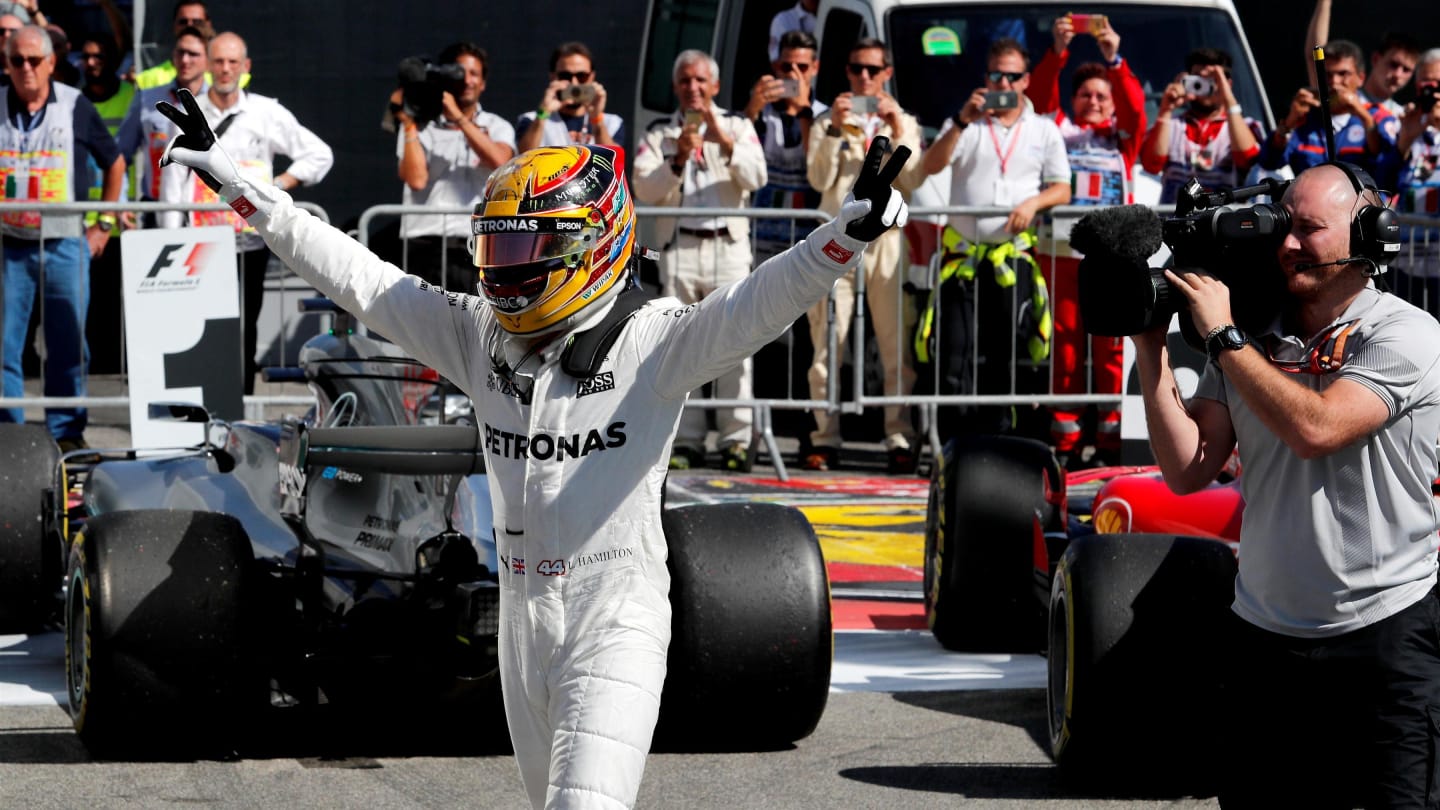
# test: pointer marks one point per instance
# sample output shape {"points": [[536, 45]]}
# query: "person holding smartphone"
{"points": [[839, 139], [1102, 140], [703, 156], [1000, 154], [572, 110]]}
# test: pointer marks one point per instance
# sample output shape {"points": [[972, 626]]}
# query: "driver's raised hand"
{"points": [[195, 146], [886, 209]]}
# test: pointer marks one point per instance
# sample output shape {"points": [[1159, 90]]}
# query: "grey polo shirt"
{"points": [[1334, 544]]}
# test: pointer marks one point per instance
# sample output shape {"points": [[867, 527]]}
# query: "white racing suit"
{"points": [[575, 479]]}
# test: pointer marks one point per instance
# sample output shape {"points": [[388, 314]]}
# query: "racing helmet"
{"points": [[553, 235]]}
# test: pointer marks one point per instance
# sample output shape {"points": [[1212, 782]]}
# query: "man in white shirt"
{"points": [[703, 156], [445, 163], [253, 129], [1006, 157]]}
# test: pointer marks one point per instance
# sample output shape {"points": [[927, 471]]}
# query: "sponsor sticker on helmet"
{"points": [[485, 226]]}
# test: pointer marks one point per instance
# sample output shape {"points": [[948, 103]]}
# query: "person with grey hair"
{"points": [[46, 127], [1416, 271], [703, 156]]}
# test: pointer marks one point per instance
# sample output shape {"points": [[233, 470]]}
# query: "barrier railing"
{"points": [[1419, 254], [255, 404]]}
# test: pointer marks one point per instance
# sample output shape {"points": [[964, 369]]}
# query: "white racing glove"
{"points": [[195, 145]]}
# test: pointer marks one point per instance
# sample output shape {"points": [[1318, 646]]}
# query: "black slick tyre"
{"points": [[988, 513], [751, 643], [30, 562], [1136, 630], [157, 647]]}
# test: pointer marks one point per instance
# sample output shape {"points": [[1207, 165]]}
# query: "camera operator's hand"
{"points": [[550, 102], [195, 146], [1345, 99], [1300, 107], [974, 108], [1061, 33], [1109, 42], [687, 146], [766, 89], [873, 184], [402, 119], [1208, 296], [597, 107], [1173, 97], [450, 108], [1216, 74]]}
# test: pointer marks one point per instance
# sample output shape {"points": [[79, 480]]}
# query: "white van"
{"points": [[939, 48]]}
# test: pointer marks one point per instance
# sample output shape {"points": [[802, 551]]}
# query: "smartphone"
{"points": [[694, 118], [1091, 24], [1198, 86], [582, 93], [790, 88], [1001, 100], [864, 105]]}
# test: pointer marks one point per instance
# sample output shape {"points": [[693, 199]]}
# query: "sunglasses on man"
{"points": [[569, 76], [20, 61], [996, 76], [856, 68], [786, 67]]}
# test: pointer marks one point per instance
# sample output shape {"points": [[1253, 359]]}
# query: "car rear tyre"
{"points": [[1137, 626], [29, 561], [988, 513], [751, 646], [159, 657]]}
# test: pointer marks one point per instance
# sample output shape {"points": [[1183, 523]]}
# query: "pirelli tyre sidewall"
{"points": [[987, 515], [1136, 659], [159, 649], [30, 564], [751, 643]]}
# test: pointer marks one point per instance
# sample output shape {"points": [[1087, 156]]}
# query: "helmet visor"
{"points": [[505, 241]]}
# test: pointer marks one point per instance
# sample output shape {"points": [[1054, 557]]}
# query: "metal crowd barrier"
{"points": [[254, 404], [1419, 254]]}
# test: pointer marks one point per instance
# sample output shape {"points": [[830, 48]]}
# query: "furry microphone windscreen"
{"points": [[1131, 232]]}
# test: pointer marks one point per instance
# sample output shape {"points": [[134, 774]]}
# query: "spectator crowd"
{"points": [[997, 315]]}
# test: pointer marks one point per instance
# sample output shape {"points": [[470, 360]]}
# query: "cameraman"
{"points": [[573, 107], [445, 163], [1417, 278], [1337, 408]]}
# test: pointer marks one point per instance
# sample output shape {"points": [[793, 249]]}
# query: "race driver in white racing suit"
{"points": [[576, 447]]}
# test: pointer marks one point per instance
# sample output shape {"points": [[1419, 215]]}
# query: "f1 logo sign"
{"points": [[194, 263]]}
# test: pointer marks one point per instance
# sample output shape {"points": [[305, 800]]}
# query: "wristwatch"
{"points": [[106, 222], [959, 122], [1224, 338]]}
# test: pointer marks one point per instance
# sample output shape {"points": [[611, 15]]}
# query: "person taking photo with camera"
{"points": [[1364, 131], [1211, 140], [1336, 408], [990, 290], [1417, 269], [1102, 140], [573, 107], [838, 141], [444, 163]]}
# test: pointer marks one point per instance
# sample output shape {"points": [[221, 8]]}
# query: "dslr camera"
{"points": [[1426, 97], [423, 85], [1121, 295]]}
